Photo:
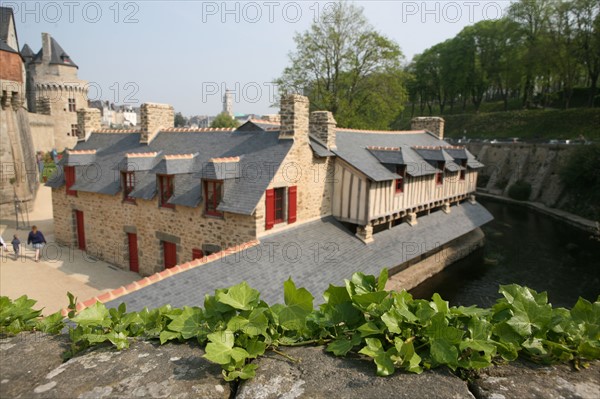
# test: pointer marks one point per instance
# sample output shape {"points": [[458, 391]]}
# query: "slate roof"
{"points": [[260, 153], [27, 52], [266, 266], [5, 47], [6, 14], [373, 152], [319, 149], [58, 55]]}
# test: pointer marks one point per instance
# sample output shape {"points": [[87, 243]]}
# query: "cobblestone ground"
{"points": [[61, 269]]}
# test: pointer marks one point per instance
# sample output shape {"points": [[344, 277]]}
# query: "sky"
{"points": [[187, 53]]}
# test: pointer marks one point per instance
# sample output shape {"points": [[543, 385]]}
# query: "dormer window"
{"points": [[463, 164], [213, 193], [439, 175], [165, 187], [128, 183], [400, 171]]}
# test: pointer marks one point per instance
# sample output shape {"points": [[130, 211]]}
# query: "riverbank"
{"points": [[587, 225]]}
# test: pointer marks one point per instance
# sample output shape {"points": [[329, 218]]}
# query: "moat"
{"points": [[526, 248]]}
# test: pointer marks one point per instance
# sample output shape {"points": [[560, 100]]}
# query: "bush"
{"points": [[520, 191]]}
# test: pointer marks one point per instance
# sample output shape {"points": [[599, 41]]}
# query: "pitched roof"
{"points": [[256, 155], [371, 152], [5, 47], [6, 15], [267, 273], [27, 52], [58, 55]]}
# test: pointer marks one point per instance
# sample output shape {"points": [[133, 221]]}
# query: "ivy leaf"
{"points": [[444, 353], [166, 335], [367, 299], [382, 280], [586, 312], [118, 339], [240, 296], [439, 304], [220, 349], [342, 345], [299, 304], [245, 373], [97, 314], [370, 328], [189, 323], [382, 358], [255, 348], [408, 358]]}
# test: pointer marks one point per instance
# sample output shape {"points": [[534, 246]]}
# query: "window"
{"points": [[213, 192], [276, 204], [401, 171], [463, 171], [128, 182], [70, 180], [165, 185], [197, 253], [439, 175], [279, 204], [74, 131], [72, 106]]}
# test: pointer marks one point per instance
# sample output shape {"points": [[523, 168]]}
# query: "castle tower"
{"points": [[53, 88], [228, 103]]}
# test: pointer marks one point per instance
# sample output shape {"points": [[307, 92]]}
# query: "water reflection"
{"points": [[526, 248]]}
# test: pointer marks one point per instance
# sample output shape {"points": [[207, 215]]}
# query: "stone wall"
{"points": [[179, 371], [154, 117], [88, 121], [42, 131], [108, 219], [537, 164], [432, 124], [323, 127]]}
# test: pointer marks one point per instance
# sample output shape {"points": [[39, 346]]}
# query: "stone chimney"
{"points": [[46, 47], [323, 127], [433, 124], [294, 118], [153, 118], [88, 121]]}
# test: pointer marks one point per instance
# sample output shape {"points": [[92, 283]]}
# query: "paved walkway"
{"points": [[61, 269]]}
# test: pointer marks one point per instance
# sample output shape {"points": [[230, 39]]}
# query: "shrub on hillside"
{"points": [[581, 177], [520, 191]]}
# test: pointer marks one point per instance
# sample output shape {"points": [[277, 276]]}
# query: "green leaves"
{"points": [[392, 328], [240, 297]]}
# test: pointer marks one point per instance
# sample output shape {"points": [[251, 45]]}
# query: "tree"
{"points": [[587, 17], [344, 66], [180, 120], [224, 120]]}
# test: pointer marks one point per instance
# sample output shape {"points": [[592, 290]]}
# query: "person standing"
{"points": [[16, 243], [16, 246], [36, 238], [3, 244]]}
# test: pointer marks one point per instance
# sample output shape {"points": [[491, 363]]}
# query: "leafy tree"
{"points": [[587, 20], [224, 120], [180, 120], [343, 65]]}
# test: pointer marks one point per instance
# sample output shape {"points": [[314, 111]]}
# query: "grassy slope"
{"points": [[525, 124]]}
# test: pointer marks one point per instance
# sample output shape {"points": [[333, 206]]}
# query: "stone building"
{"points": [[18, 174], [151, 198], [54, 89]]}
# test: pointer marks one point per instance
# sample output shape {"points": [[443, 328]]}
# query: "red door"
{"points": [[134, 263], [170, 254], [80, 230]]}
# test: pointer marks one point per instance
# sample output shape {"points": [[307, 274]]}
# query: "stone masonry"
{"points": [[88, 121], [155, 117], [433, 124]]}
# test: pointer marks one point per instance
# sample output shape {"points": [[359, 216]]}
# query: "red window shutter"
{"points": [[70, 179], [292, 204], [270, 209]]}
